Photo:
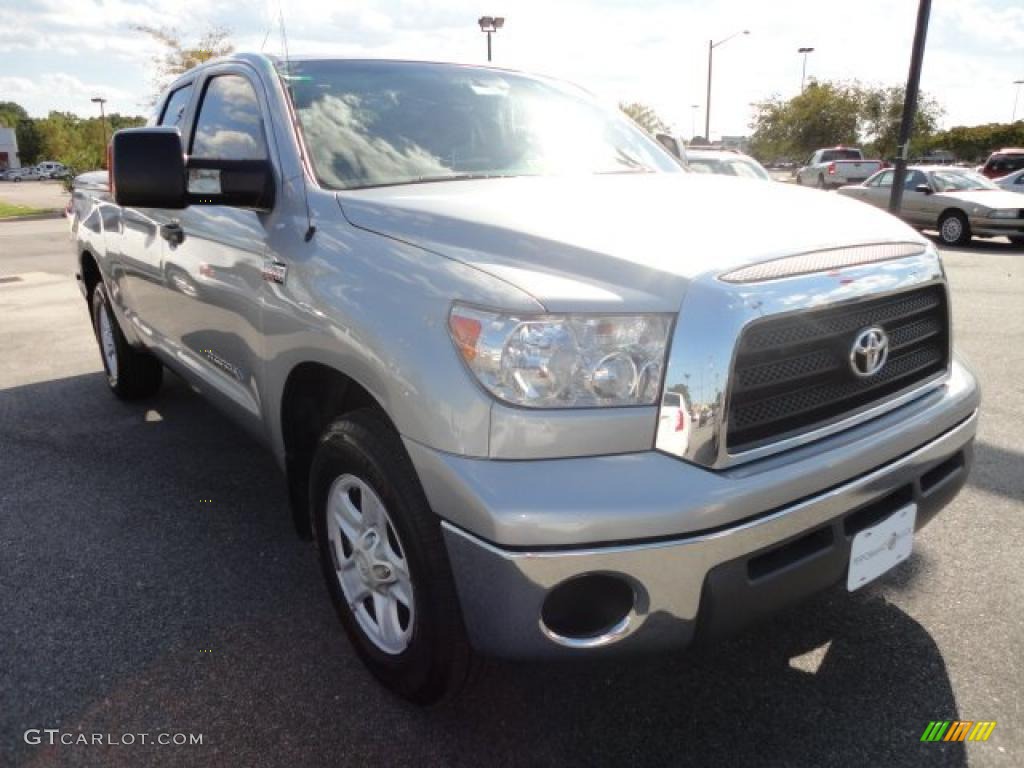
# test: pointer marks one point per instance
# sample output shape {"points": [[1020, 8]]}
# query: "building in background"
{"points": [[8, 149]]}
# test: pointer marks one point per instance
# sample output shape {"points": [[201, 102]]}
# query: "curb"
{"points": [[54, 214]]}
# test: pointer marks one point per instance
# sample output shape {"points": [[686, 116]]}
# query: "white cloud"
{"points": [[654, 51]]}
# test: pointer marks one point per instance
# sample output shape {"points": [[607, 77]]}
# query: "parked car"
{"points": [[1003, 162], [24, 174], [1013, 182], [725, 162], [832, 167], [51, 169], [452, 300], [958, 203]]}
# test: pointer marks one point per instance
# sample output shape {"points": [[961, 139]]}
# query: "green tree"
{"points": [[11, 113], [176, 55], [645, 117], [823, 115], [882, 112], [830, 113], [29, 141]]}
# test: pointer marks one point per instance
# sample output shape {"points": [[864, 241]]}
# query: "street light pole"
{"points": [[489, 25], [103, 121], [1016, 98], [803, 76], [909, 106], [711, 49]]}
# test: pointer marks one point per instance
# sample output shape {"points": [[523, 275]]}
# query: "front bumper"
{"points": [[704, 576], [713, 583], [988, 227]]}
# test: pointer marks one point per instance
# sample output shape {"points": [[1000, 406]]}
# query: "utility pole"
{"points": [[103, 121], [909, 106]]}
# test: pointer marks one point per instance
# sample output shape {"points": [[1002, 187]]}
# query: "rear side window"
{"points": [[229, 125], [840, 154], [176, 106]]}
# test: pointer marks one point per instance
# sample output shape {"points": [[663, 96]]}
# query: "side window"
{"points": [[913, 179], [884, 179], [176, 106], [229, 125]]}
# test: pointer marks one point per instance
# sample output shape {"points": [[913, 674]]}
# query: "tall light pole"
{"points": [[490, 24], [803, 76], [103, 121], [899, 174], [1016, 98], [711, 49], [693, 120]]}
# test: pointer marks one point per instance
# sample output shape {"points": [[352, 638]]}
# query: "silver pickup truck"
{"points": [[833, 167], [534, 390]]}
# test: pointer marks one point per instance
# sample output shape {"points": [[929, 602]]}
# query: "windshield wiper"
{"points": [[431, 179]]}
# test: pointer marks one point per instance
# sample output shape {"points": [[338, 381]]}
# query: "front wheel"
{"points": [[131, 373], [384, 560], [954, 228]]}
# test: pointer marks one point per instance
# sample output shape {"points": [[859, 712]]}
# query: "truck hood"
{"points": [[627, 242]]}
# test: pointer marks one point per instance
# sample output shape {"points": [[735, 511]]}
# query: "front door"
{"points": [[212, 274]]}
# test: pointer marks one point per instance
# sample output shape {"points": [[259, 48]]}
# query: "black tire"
{"points": [[1017, 241], [799, 183], [436, 662], [137, 373], [954, 235]]}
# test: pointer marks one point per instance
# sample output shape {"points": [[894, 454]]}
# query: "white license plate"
{"points": [[878, 548]]}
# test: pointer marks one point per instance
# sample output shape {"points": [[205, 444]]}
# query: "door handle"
{"points": [[172, 233]]}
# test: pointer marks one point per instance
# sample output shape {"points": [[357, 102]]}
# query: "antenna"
{"points": [[311, 229]]}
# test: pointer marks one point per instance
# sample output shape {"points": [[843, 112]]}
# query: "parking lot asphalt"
{"points": [[150, 582]]}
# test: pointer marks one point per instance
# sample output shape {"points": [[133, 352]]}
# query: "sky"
{"points": [[56, 54]]}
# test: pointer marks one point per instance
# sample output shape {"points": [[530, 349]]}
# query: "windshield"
{"points": [[957, 181], [376, 123], [733, 166]]}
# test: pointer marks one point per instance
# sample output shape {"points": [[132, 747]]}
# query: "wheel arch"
{"points": [[314, 395]]}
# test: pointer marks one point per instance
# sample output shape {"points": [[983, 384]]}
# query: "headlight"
{"points": [[1003, 213], [561, 360]]}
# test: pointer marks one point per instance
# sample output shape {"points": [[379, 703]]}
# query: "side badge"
{"points": [[274, 272]]}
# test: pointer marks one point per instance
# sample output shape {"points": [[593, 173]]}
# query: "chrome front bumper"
{"points": [[704, 581]]}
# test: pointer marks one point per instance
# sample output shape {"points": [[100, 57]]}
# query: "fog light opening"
{"points": [[589, 611]]}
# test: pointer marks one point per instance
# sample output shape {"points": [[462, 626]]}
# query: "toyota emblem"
{"points": [[869, 352]]}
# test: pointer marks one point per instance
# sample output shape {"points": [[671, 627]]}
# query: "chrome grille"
{"points": [[792, 373]]}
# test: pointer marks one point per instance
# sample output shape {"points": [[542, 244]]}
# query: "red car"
{"points": [[1003, 161]]}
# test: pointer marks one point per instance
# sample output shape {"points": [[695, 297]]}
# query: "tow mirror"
{"points": [[238, 183], [147, 168]]}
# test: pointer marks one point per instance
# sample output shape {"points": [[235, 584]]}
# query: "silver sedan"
{"points": [[956, 202]]}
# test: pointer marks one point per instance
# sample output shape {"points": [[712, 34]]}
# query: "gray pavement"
{"points": [[48, 194], [128, 604]]}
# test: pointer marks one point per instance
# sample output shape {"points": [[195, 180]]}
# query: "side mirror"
{"points": [[669, 143], [238, 183], [923, 188], [147, 168]]}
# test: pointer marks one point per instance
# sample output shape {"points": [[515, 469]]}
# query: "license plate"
{"points": [[877, 549]]}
